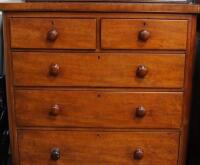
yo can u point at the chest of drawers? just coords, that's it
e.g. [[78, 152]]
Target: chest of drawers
[[99, 88]]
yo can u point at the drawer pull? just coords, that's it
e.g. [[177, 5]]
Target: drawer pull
[[140, 111], [141, 71], [54, 69], [55, 154], [144, 35], [52, 35], [55, 109], [139, 154]]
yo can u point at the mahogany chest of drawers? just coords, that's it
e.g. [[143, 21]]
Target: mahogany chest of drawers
[[99, 87]]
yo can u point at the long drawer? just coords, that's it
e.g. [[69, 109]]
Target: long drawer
[[97, 148], [53, 33], [54, 108], [143, 34], [98, 69]]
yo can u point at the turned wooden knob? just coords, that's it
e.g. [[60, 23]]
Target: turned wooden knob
[[140, 111], [138, 154], [141, 71], [55, 109], [52, 35], [54, 69], [144, 35], [55, 154]]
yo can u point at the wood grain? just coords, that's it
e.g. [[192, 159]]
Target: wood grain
[[103, 7], [98, 69], [93, 96], [97, 148], [72, 33], [98, 109], [124, 33]]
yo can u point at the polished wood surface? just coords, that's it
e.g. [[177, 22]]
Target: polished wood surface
[[103, 7], [69, 33], [143, 34], [98, 148], [98, 109], [98, 69], [122, 105]]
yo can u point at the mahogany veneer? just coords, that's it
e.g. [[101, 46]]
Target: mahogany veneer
[[89, 85]]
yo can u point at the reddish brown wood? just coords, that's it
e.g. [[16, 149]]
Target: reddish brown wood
[[73, 33], [123, 34], [98, 109], [102, 7], [95, 96], [190, 59], [99, 69], [85, 148], [10, 92]]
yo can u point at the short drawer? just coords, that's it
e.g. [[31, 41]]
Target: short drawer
[[143, 34], [53, 33], [98, 69], [56, 108], [97, 148]]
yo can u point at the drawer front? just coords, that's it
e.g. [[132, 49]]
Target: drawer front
[[101, 69], [97, 148], [98, 109], [53, 33], [143, 34]]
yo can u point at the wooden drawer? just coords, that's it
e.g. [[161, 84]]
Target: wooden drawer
[[98, 109], [41, 33], [100, 69], [97, 148], [143, 34]]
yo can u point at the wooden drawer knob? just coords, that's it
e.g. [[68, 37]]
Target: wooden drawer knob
[[140, 111], [54, 69], [55, 154], [138, 154], [55, 109], [141, 71], [52, 35], [144, 35]]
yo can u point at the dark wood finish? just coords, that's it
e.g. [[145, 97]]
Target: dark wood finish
[[158, 34], [73, 33], [55, 110], [138, 154], [141, 71], [101, 69], [144, 35], [85, 148], [54, 69], [55, 154], [98, 109], [140, 111], [52, 35]]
